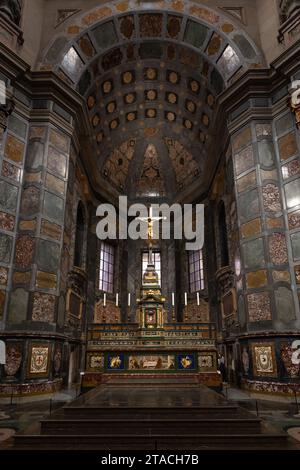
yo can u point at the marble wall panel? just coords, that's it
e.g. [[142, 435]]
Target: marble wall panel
[[284, 304], [55, 184], [150, 25], [251, 228], [263, 130], [276, 222], [271, 198], [254, 254], [3, 276], [30, 201], [195, 33], [14, 149], [46, 280], [246, 182], [7, 221], [256, 279], [21, 277], [284, 124], [56, 161], [266, 153], [24, 251], [295, 239], [50, 229], [17, 311], [28, 225], [248, 205], [53, 207], [6, 243], [11, 171], [294, 220], [59, 140], [291, 169], [2, 302], [277, 248], [48, 255], [259, 307], [35, 154], [287, 146], [8, 196], [17, 126], [292, 193], [244, 160], [268, 175], [281, 276], [43, 307], [242, 139]]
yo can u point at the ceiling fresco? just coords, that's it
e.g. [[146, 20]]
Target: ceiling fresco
[[151, 77]]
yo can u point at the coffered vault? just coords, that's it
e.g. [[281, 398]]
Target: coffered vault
[[151, 77]]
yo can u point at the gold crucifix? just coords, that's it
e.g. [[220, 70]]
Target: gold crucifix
[[150, 221]]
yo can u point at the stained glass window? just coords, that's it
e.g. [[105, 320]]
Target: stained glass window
[[196, 270], [106, 271]]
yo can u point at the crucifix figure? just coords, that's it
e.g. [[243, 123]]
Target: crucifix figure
[[150, 221]]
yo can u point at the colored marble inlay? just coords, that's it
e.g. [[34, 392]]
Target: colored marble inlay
[[294, 220], [277, 249], [50, 229], [5, 248], [56, 161], [242, 139], [244, 160], [30, 201], [11, 171], [251, 228], [3, 276], [21, 277], [46, 280], [271, 198], [256, 279], [275, 223], [7, 221], [24, 251], [287, 146], [43, 307], [150, 25], [59, 140], [259, 307], [14, 149], [263, 130], [246, 182], [291, 169], [281, 276]]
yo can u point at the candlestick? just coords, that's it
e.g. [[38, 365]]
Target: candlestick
[[117, 299], [185, 299], [104, 299], [129, 299], [198, 299], [173, 299]]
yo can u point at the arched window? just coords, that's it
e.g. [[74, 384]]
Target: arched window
[[196, 270], [79, 240], [224, 257]]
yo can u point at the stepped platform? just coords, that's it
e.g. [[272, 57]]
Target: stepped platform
[[152, 417]]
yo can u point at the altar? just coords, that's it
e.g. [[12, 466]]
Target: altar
[[151, 346]]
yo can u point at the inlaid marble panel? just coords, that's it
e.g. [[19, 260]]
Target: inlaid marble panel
[[242, 139], [17, 311], [292, 193], [284, 304], [35, 154], [229, 62], [254, 254], [50, 229], [244, 160], [256, 279], [248, 205], [53, 207], [43, 307], [21, 277], [150, 25], [17, 126], [251, 228], [127, 27], [263, 130], [246, 182], [48, 255], [56, 161], [14, 149], [268, 175], [8, 196], [287, 146], [281, 276], [276, 222], [24, 251], [259, 307], [284, 124], [277, 248], [195, 33], [244, 46], [2, 302], [86, 46], [294, 220], [72, 63], [5, 248], [3, 276], [55, 184], [295, 239], [105, 35], [291, 169], [7, 221], [59, 140], [30, 201], [266, 153], [174, 26], [271, 198], [46, 280], [11, 171], [28, 225]]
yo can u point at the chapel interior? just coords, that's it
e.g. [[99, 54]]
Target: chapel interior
[[163, 101]]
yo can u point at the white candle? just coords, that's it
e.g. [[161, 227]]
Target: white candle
[[129, 299], [198, 298], [173, 299], [117, 299], [104, 299], [185, 299]]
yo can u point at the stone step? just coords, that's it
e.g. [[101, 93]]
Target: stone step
[[150, 426], [176, 441]]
